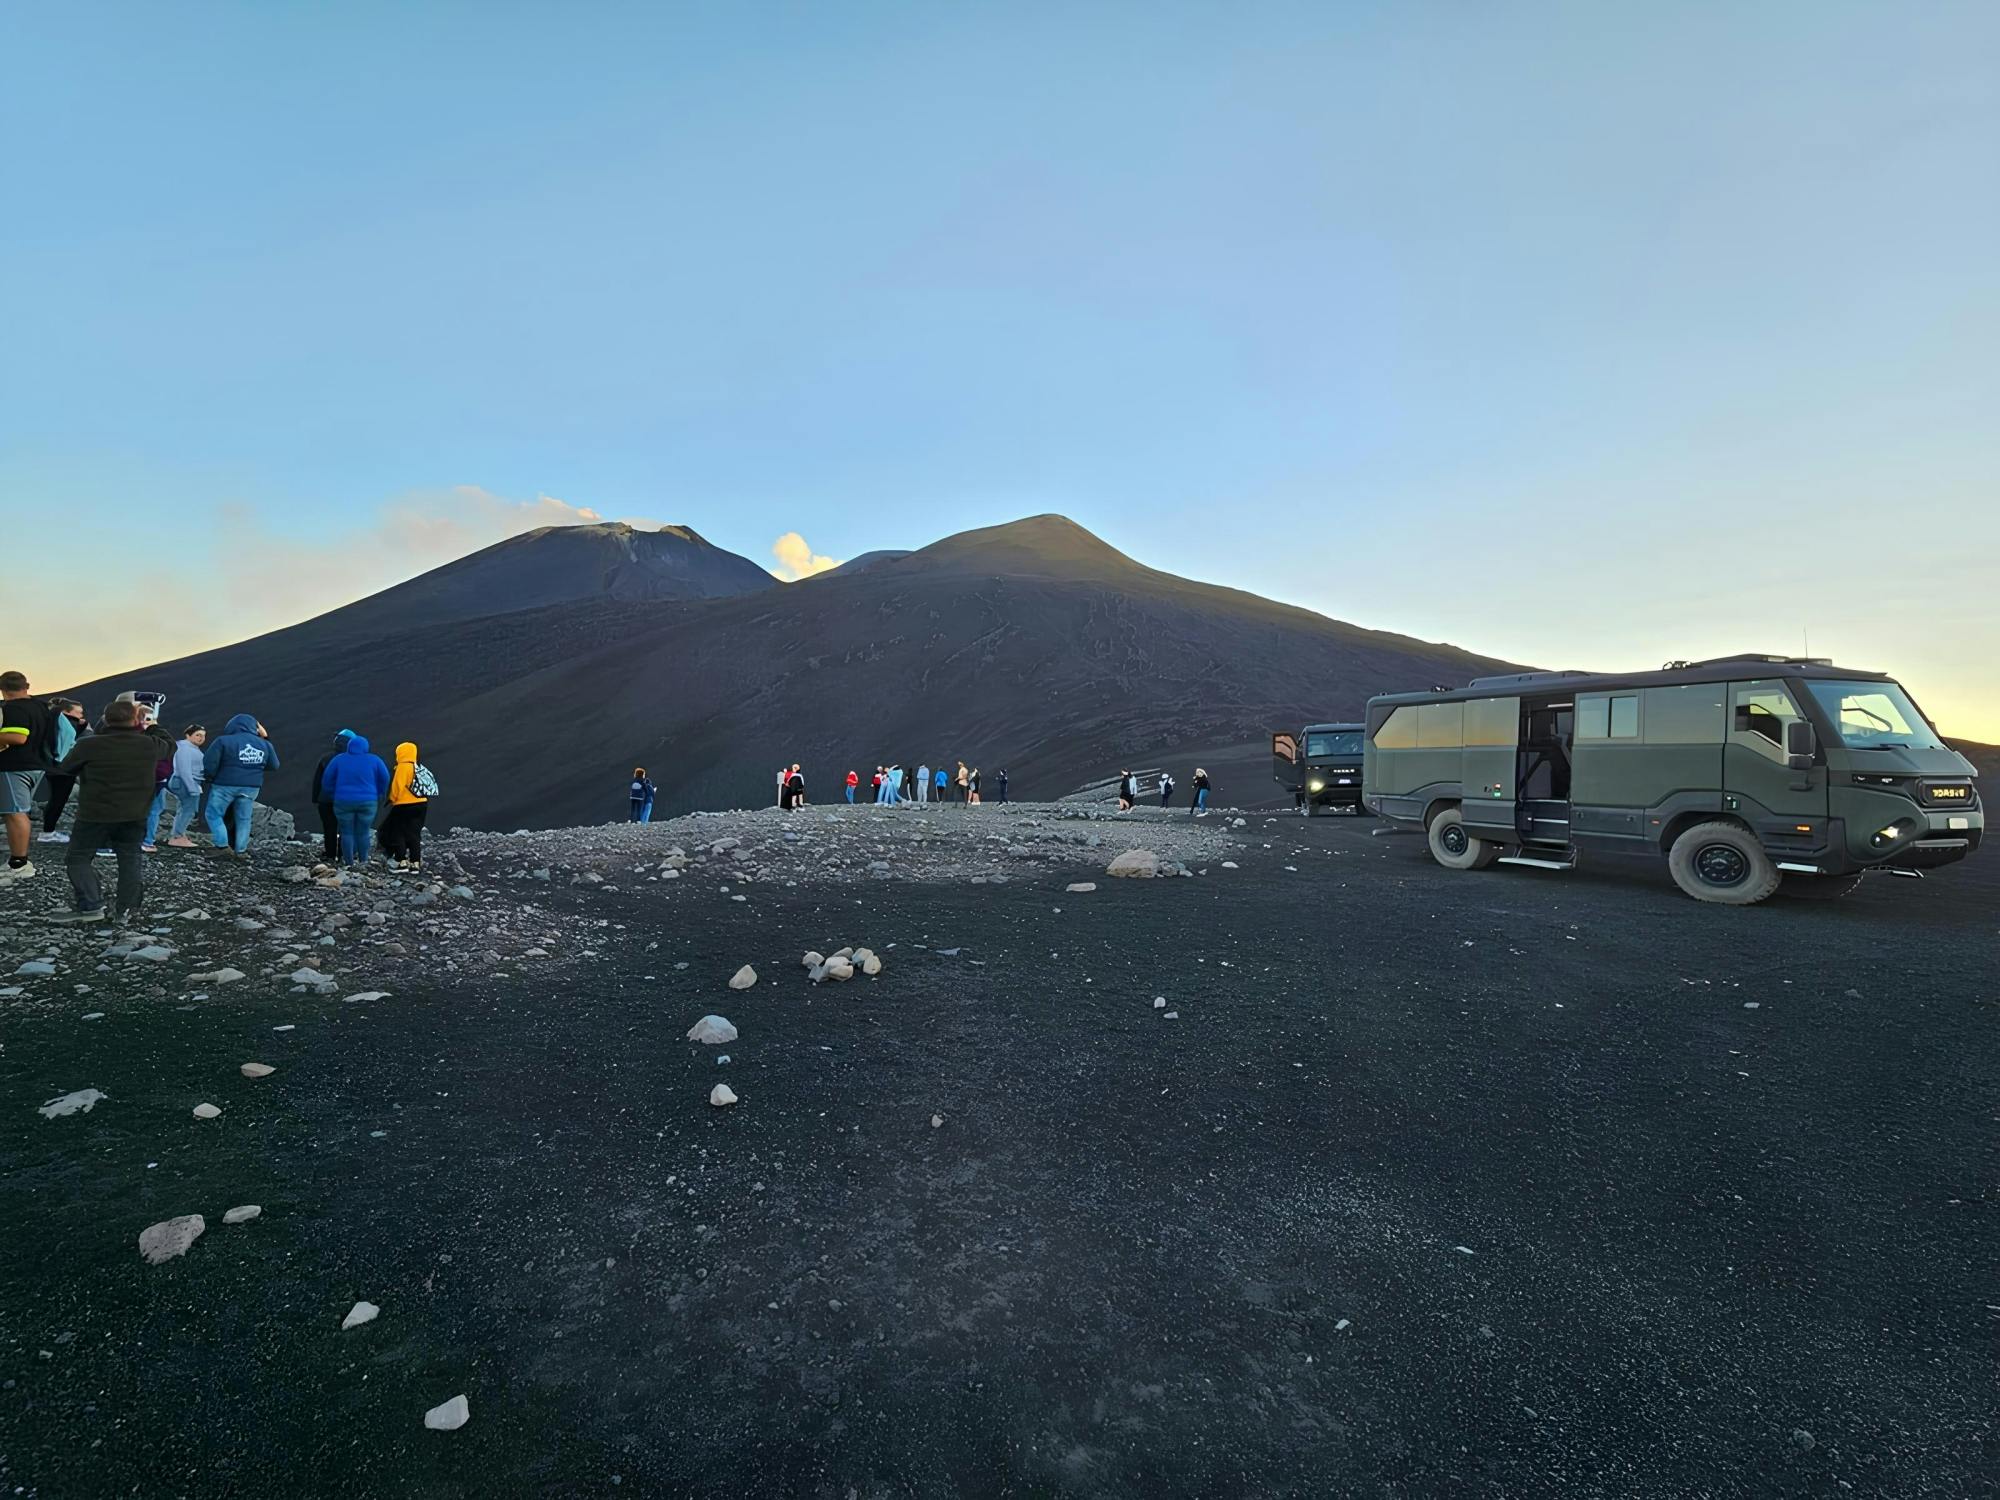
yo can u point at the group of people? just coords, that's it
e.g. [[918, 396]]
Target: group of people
[[1128, 790], [122, 769], [893, 785]]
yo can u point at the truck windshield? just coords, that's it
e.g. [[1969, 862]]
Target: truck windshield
[[1874, 715], [1333, 746]]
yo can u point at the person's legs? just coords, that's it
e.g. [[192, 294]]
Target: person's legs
[[59, 789], [185, 808], [219, 798], [245, 810], [159, 805], [125, 840], [413, 832], [84, 840], [329, 832], [356, 821], [17, 804], [645, 810]]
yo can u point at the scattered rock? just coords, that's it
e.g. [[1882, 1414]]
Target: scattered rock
[[206, 1112], [217, 976], [936, 1121], [813, 960], [722, 1094], [257, 1070], [1135, 864], [170, 1237], [1080, 887], [449, 1417], [242, 1215], [364, 996], [36, 968], [711, 1030], [743, 978], [79, 1103], [366, 1312]]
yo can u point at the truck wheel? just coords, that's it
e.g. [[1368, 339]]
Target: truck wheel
[[1455, 848], [1818, 887], [1722, 862]]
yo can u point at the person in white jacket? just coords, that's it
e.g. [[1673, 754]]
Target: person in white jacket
[[185, 783]]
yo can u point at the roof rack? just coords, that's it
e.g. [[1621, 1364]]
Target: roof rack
[[1753, 656], [1513, 678]]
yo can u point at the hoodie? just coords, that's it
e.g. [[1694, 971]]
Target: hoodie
[[355, 775], [401, 791], [239, 756], [115, 773], [319, 771], [188, 769]]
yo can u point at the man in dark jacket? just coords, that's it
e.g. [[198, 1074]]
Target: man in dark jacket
[[236, 762], [114, 772], [329, 831]]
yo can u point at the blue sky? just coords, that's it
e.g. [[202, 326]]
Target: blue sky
[[1581, 334]]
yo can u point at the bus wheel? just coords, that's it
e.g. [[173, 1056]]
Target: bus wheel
[[1818, 887], [1722, 862], [1455, 848]]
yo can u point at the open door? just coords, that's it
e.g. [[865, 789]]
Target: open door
[[1285, 759], [1487, 775]]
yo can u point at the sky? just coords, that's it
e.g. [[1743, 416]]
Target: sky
[[1578, 334]]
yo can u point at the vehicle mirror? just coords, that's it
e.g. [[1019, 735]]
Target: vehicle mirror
[[1800, 743]]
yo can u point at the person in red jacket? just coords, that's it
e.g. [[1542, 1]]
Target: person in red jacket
[[853, 781]]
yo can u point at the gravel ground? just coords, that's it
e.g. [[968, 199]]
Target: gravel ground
[[1328, 1172]]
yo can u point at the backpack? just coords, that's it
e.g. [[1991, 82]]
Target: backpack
[[422, 783]]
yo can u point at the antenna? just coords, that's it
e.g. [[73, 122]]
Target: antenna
[[1805, 635]]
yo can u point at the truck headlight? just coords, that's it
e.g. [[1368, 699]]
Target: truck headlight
[[1315, 786]]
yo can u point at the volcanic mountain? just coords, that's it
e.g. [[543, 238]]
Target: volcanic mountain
[[537, 673]]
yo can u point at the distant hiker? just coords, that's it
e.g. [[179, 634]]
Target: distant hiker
[[906, 788], [853, 781], [972, 787], [116, 772], [795, 788], [943, 783], [356, 781], [68, 721], [1199, 801], [329, 831], [923, 783], [184, 781], [1128, 790], [234, 765], [1000, 783], [892, 780], [875, 785], [964, 782], [643, 792], [1166, 787], [411, 787], [27, 743]]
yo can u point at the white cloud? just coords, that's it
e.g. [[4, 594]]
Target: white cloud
[[797, 560]]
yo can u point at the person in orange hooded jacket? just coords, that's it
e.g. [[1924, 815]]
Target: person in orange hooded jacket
[[403, 830]]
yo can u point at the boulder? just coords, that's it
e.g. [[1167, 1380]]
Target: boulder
[[170, 1237], [743, 978], [1135, 864], [711, 1030]]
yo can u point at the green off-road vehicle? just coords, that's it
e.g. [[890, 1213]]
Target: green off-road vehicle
[[1320, 765], [1748, 774]]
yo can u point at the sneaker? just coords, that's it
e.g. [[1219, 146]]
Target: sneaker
[[149, 849], [52, 838], [74, 918], [17, 872]]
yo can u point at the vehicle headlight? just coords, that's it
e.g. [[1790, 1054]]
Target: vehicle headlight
[[1315, 786]]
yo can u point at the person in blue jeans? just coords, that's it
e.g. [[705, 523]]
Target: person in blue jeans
[[234, 764], [355, 783], [643, 792], [941, 781], [1198, 803]]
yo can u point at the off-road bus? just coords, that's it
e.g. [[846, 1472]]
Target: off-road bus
[[1748, 774], [1320, 765]]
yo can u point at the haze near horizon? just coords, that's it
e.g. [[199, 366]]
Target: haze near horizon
[[1569, 335]]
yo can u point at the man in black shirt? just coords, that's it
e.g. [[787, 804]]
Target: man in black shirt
[[25, 753], [116, 781]]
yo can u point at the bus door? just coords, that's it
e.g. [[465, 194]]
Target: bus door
[[1488, 781]]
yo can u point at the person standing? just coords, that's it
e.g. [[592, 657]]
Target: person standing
[[329, 831], [853, 781], [149, 705], [972, 787], [234, 765], [795, 787], [410, 788], [1000, 782], [1166, 787], [70, 725], [923, 783], [1199, 801], [943, 780], [26, 740], [964, 782], [356, 781], [116, 771], [643, 791], [1124, 791], [876, 784], [184, 781]]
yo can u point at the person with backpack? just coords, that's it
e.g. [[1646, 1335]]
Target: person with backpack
[[643, 792], [972, 787], [27, 743], [1198, 803], [234, 764], [853, 782], [411, 787], [184, 781], [356, 781], [329, 831], [1166, 787], [115, 769]]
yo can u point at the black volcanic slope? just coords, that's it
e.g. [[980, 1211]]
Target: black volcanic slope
[[1032, 646]]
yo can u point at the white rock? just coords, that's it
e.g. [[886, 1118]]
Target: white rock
[[311, 979], [743, 978], [871, 966], [170, 1237], [365, 1312], [206, 1112], [1159, 1002], [722, 1094], [1135, 864], [217, 976], [838, 967], [710, 1030], [364, 997], [1230, 864], [242, 1215], [36, 968], [79, 1103], [812, 960], [1080, 887], [449, 1417], [257, 1070], [936, 1120]]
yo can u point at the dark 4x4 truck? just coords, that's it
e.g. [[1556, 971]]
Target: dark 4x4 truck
[[1321, 764], [1748, 774]]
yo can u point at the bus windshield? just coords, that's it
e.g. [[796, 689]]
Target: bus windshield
[[1874, 716], [1333, 746]]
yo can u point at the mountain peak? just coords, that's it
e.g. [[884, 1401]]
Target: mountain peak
[[1044, 546]]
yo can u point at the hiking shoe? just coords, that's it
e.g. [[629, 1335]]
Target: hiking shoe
[[17, 872], [74, 918]]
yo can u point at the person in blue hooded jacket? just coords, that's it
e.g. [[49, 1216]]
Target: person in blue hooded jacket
[[355, 783], [235, 762]]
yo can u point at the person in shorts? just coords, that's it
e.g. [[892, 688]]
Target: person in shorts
[[27, 741]]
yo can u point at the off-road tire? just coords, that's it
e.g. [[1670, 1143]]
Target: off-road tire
[[1454, 847], [1722, 863], [1818, 887]]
